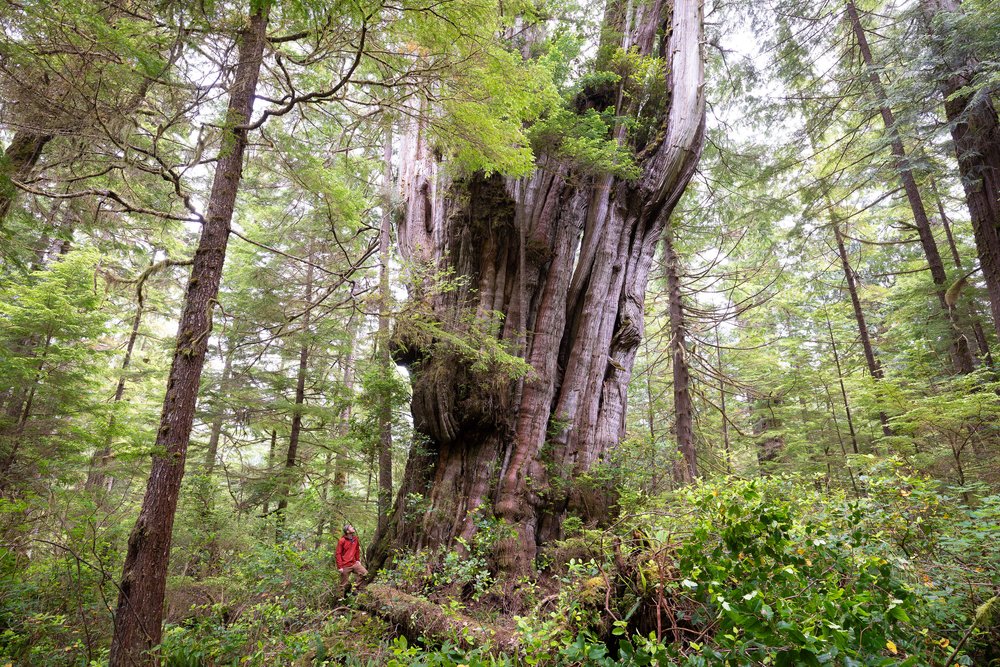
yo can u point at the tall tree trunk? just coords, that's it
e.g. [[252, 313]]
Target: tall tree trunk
[[16, 420], [722, 404], [573, 291], [874, 365], [975, 131], [977, 322], [686, 469], [138, 618], [843, 389], [386, 367], [961, 354], [98, 480], [291, 455], [215, 434]]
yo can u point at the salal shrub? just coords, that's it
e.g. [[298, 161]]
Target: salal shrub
[[782, 578]]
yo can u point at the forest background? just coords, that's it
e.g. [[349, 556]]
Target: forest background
[[637, 332]]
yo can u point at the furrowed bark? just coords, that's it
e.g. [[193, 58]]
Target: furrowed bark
[[572, 292], [139, 615], [975, 131]]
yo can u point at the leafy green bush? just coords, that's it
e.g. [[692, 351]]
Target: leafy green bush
[[792, 583]]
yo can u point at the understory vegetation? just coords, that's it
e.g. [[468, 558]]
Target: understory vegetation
[[620, 332], [733, 572]]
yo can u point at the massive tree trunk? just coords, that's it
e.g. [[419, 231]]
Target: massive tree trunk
[[138, 618], [975, 130], [564, 256], [961, 354]]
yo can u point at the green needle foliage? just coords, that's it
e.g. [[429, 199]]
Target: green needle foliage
[[847, 511]]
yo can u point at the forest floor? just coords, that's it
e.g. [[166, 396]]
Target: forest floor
[[746, 572]]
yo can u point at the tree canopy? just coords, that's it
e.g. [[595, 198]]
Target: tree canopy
[[624, 333]]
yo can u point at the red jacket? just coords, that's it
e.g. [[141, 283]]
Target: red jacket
[[348, 552]]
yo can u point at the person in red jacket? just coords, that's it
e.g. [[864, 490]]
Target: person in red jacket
[[349, 557]]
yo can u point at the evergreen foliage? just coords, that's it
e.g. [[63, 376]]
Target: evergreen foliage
[[846, 509]]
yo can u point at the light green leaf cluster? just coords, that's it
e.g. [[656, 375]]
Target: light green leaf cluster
[[583, 140], [484, 112]]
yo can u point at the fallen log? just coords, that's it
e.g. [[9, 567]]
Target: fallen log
[[418, 619]]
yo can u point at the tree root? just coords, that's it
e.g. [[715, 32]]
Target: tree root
[[419, 619]]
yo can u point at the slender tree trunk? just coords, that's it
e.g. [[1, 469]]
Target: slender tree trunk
[[651, 421], [961, 354], [874, 365], [272, 451], [843, 389], [686, 470], [871, 359], [975, 131], [946, 224], [291, 455], [12, 431], [505, 447], [97, 477], [840, 439], [215, 434], [340, 461], [722, 404], [386, 367], [138, 618]]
